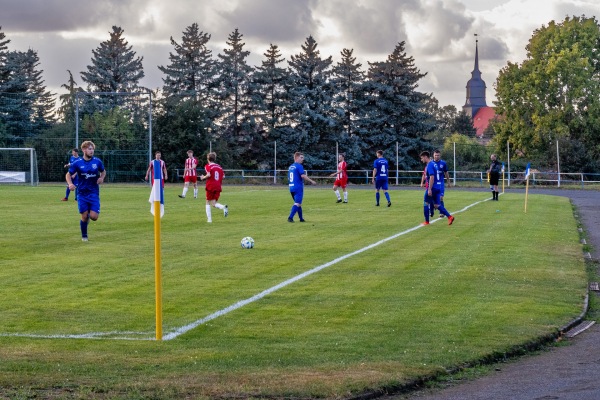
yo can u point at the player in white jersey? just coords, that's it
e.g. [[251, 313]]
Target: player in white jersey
[[341, 178], [189, 174]]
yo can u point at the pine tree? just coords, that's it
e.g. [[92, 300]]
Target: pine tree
[[184, 118], [270, 98], [27, 107], [16, 101], [310, 106], [115, 67], [6, 100], [67, 101], [192, 69], [395, 111], [4, 72], [43, 104], [234, 86], [348, 102]]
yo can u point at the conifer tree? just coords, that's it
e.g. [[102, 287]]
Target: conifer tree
[[237, 125], [348, 102], [67, 101], [270, 83], [27, 107], [184, 117], [191, 71], [4, 73], [115, 67], [43, 104], [395, 111], [310, 106]]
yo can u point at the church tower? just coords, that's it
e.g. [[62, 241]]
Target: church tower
[[475, 89]]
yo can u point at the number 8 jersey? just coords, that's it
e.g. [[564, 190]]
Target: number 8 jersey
[[213, 182]]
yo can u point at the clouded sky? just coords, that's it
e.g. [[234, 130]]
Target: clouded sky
[[439, 34]]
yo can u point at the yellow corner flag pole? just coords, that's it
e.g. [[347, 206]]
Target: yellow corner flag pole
[[157, 270], [526, 186], [502, 178], [526, 193], [156, 198]]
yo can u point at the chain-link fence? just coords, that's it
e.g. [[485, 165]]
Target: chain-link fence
[[121, 127]]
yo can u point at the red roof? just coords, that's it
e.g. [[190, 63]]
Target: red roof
[[481, 120]]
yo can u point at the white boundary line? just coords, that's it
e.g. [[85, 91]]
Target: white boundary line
[[186, 328], [239, 304], [94, 335]]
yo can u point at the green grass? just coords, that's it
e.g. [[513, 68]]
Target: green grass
[[427, 301]]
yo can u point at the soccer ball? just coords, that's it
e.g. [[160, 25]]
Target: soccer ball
[[247, 242]]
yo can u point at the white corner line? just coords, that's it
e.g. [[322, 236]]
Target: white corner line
[[117, 335], [241, 303]]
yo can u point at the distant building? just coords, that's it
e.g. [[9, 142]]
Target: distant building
[[475, 105]]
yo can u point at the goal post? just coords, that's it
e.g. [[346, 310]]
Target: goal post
[[18, 166]]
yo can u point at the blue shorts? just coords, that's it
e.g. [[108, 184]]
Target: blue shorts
[[381, 184], [297, 196], [436, 196], [88, 202], [427, 199]]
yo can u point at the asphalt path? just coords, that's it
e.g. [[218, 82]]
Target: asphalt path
[[568, 372]]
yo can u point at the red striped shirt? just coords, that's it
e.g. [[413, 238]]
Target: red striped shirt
[[190, 167]]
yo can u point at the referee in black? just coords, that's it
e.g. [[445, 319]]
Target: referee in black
[[494, 171]]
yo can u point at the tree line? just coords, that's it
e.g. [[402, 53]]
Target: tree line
[[309, 102]]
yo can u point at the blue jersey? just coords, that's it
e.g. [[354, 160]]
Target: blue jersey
[[295, 172], [382, 169], [435, 169], [443, 168], [75, 178], [88, 172]]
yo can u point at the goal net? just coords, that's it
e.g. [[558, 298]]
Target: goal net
[[18, 166]]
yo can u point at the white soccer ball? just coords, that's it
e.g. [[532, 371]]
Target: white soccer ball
[[247, 242]]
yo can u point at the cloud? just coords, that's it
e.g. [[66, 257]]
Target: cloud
[[438, 33], [267, 21], [63, 15]]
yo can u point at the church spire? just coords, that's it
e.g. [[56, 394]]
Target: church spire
[[475, 88], [476, 72]]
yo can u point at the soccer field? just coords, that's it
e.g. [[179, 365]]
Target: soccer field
[[357, 298]]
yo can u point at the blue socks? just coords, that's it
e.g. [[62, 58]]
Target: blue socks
[[83, 226], [387, 196], [293, 212], [443, 210], [426, 211], [377, 197]]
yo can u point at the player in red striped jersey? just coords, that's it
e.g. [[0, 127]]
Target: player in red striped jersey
[[189, 174], [163, 167], [214, 179], [341, 179]]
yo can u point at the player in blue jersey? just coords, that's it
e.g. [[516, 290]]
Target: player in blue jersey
[[380, 177], [435, 174], [296, 178], [91, 174], [427, 200], [74, 157], [437, 157]]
